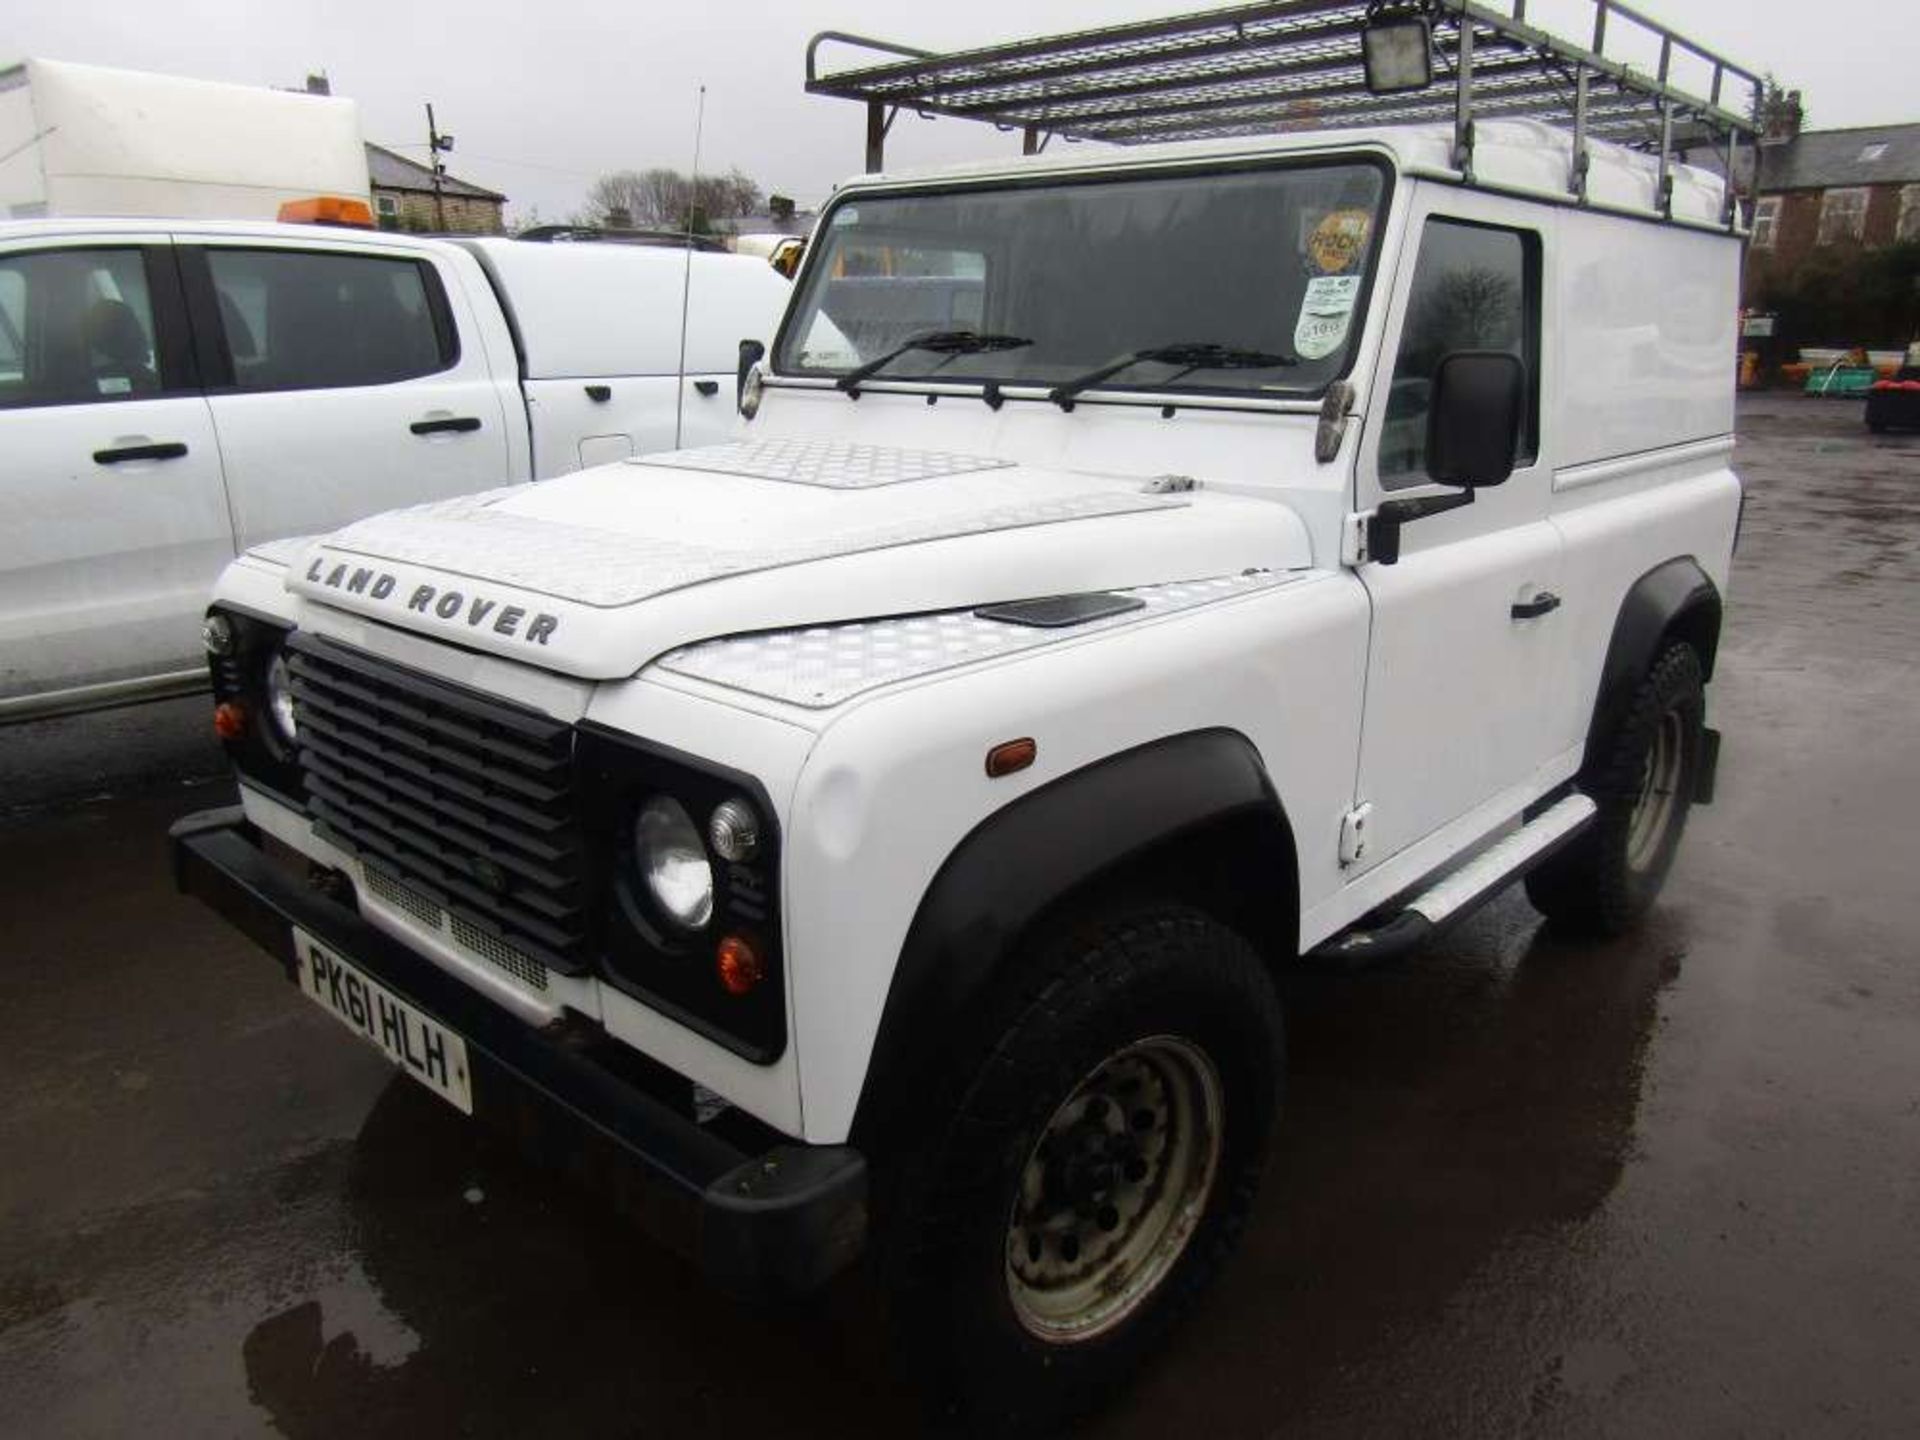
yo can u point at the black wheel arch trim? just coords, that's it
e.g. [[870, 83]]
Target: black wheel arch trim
[[1674, 599], [1196, 791]]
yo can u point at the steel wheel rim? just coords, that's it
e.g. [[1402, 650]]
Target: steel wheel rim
[[1114, 1189], [1654, 807]]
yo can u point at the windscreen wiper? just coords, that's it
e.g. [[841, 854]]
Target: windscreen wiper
[[949, 343], [1188, 357]]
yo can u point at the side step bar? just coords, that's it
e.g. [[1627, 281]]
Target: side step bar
[[1460, 890]]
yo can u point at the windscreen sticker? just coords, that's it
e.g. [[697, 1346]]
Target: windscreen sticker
[[1325, 313], [1339, 240]]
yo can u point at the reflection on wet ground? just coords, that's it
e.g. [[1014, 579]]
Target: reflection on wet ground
[[1527, 1186]]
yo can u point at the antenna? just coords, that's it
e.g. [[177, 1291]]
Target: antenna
[[686, 274], [437, 145]]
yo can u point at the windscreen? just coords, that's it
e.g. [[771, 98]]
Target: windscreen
[[1250, 281]]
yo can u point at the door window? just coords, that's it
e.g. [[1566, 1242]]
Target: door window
[[77, 327], [313, 320], [1475, 287]]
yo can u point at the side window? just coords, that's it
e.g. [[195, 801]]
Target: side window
[[1475, 287], [312, 320], [76, 328]]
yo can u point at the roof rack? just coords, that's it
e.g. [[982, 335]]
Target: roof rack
[[1297, 65]]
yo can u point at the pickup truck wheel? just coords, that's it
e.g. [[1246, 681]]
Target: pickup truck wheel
[[1094, 1171], [1644, 786]]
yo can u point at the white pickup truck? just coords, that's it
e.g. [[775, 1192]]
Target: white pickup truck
[[175, 393]]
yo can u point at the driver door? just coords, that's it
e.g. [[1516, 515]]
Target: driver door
[[1463, 633]]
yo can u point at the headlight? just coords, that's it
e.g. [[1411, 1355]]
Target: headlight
[[280, 697], [673, 863]]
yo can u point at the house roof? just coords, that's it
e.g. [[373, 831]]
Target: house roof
[[389, 171], [1823, 159]]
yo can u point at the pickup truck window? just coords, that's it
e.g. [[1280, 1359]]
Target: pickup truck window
[[1475, 287], [313, 320], [76, 327], [1253, 261]]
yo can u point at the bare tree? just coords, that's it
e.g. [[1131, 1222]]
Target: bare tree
[[663, 198], [1473, 308]]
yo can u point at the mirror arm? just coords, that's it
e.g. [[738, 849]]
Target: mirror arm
[[1383, 526]]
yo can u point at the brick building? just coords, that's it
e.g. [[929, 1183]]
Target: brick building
[[1834, 187], [403, 198]]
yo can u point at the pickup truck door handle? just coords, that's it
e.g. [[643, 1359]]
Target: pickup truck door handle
[[707, 387], [1539, 605], [165, 450], [457, 424]]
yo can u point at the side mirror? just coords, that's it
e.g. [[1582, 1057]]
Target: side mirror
[[1474, 417], [1474, 413], [752, 352]]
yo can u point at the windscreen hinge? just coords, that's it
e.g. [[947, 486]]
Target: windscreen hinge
[[1353, 539], [1353, 834]]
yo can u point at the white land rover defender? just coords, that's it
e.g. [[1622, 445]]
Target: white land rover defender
[[1143, 569]]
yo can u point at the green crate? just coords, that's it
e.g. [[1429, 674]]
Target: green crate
[[1853, 380]]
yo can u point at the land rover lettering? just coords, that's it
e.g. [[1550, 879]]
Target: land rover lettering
[[476, 610]]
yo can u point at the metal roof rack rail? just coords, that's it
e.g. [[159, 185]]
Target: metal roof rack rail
[[1298, 65]]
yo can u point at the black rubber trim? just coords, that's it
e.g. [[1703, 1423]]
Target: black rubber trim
[[777, 1222], [1022, 860], [1676, 598]]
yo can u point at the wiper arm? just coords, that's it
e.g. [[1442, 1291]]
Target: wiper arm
[[1188, 357], [941, 342]]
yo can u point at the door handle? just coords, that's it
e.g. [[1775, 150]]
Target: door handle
[[1533, 609], [707, 387], [454, 424], [165, 450]]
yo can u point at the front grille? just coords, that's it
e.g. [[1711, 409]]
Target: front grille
[[466, 801]]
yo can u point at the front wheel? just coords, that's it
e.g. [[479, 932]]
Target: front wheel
[[1095, 1170], [1644, 786]]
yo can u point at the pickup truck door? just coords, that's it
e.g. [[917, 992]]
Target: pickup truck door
[[113, 522], [345, 378], [1464, 630]]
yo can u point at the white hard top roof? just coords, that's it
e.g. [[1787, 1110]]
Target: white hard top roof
[[1524, 155]]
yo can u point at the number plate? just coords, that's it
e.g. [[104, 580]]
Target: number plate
[[425, 1049]]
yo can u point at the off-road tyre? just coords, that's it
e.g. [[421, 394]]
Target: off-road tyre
[[951, 1208], [1643, 782]]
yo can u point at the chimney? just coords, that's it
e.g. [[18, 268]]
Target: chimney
[[1781, 117], [319, 84]]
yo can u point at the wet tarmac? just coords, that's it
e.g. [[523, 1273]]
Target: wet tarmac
[[1668, 1186]]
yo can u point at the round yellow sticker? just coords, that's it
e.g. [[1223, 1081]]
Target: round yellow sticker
[[1339, 240]]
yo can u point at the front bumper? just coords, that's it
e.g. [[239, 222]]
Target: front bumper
[[779, 1221]]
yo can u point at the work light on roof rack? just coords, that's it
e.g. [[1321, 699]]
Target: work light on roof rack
[[1397, 47]]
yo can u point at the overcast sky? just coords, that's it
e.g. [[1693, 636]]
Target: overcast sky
[[542, 95]]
